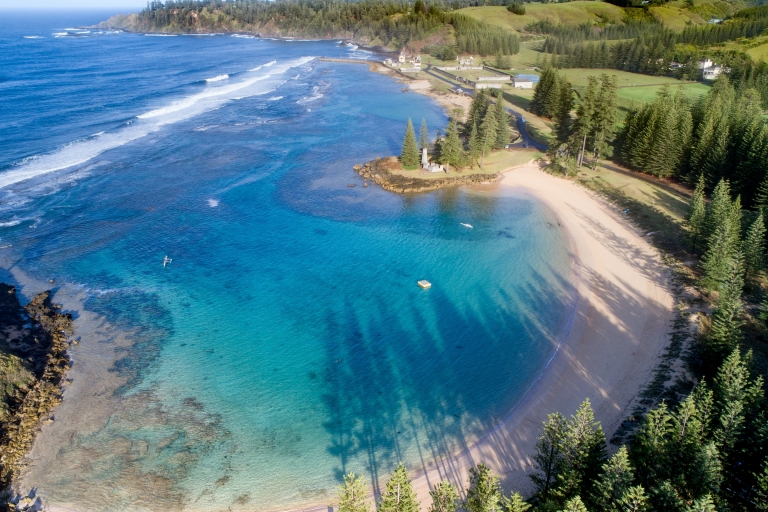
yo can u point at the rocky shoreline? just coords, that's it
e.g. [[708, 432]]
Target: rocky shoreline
[[38, 336], [380, 172]]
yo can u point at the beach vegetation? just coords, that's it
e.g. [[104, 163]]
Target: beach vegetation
[[353, 494], [484, 493], [398, 495], [410, 154], [445, 497]]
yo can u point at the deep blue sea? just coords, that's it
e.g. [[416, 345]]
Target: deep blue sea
[[287, 343]]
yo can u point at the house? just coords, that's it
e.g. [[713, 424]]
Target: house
[[712, 72], [401, 58], [522, 83], [675, 65], [387, 62], [705, 63]]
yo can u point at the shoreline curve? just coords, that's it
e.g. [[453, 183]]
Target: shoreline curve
[[617, 335]]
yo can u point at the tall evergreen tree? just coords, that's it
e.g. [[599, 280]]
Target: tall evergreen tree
[[477, 108], [614, 483], [484, 493], [584, 124], [703, 504], [445, 497], [410, 154], [547, 460], [514, 503], [563, 120], [423, 136], [451, 149], [352, 494], [502, 122], [488, 131], [754, 247], [574, 505], [718, 210], [725, 331], [634, 500], [546, 90], [605, 117], [398, 495], [473, 146], [697, 211], [584, 452], [761, 488]]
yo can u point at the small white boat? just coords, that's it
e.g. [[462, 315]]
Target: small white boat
[[166, 261], [425, 284], [466, 225]]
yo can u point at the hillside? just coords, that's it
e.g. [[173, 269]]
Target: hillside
[[389, 25], [674, 15]]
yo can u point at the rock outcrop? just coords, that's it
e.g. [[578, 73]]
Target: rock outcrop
[[39, 334], [380, 171]]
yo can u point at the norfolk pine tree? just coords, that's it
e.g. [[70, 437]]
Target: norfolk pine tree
[[563, 120], [574, 505], [754, 248], [487, 134], [352, 494], [634, 500], [584, 452], [697, 212], [444, 497], [423, 136], [614, 483], [473, 146], [410, 155], [514, 503], [548, 456], [725, 331], [502, 122], [399, 496], [451, 149], [484, 493]]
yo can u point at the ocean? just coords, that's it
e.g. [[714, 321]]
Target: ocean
[[287, 342]]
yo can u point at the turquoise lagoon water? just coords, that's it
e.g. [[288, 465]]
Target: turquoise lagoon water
[[287, 343]]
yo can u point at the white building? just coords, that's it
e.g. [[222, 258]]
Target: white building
[[712, 72], [522, 83], [705, 63]]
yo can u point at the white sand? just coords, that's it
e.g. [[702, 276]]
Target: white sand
[[619, 331]]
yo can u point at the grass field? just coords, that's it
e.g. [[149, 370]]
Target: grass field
[[669, 203], [675, 17], [570, 13]]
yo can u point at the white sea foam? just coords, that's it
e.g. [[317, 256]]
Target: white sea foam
[[32, 37], [274, 98], [217, 78], [257, 68], [213, 203], [81, 151], [161, 35]]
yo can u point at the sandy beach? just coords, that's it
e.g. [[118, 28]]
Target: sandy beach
[[619, 330]]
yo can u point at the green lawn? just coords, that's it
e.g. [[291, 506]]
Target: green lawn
[[646, 94], [495, 162]]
